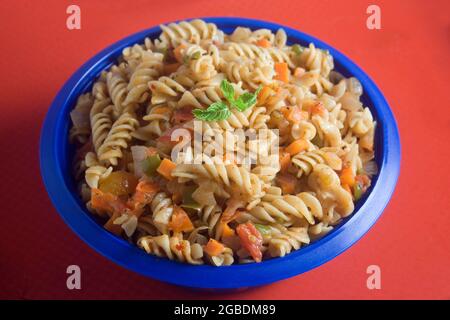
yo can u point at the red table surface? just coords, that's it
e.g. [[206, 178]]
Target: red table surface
[[407, 58]]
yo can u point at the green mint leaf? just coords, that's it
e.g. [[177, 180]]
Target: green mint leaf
[[227, 90], [247, 100], [215, 112], [297, 49]]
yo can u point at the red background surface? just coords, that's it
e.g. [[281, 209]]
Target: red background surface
[[407, 58]]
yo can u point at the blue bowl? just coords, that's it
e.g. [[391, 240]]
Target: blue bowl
[[56, 159]]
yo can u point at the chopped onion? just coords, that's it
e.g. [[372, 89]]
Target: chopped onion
[[139, 154], [130, 226], [204, 195], [80, 114], [80, 117], [370, 168], [121, 219]]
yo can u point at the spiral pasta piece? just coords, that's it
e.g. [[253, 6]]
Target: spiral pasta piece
[[174, 248], [228, 175], [291, 239], [149, 69], [210, 216], [317, 59], [162, 209], [193, 31], [117, 87], [101, 122], [304, 205], [165, 89], [95, 172], [223, 259], [305, 162], [118, 138]]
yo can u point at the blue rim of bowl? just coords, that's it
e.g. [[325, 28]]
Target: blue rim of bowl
[[56, 173]]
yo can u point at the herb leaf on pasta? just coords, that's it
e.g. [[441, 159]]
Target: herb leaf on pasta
[[215, 112]]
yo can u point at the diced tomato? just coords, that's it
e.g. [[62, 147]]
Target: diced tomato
[[106, 202], [145, 191], [180, 221], [251, 240]]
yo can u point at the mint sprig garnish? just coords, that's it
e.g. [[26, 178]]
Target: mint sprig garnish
[[215, 112], [227, 90], [220, 110], [246, 100]]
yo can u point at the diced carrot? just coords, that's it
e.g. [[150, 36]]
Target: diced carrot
[[264, 43], [180, 221], [227, 231], [171, 67], [282, 71], [347, 177], [177, 52], [287, 183], [285, 160], [165, 169], [297, 146], [214, 248], [264, 94], [318, 109]]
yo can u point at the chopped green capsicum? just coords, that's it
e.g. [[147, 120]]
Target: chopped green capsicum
[[188, 202], [150, 164]]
